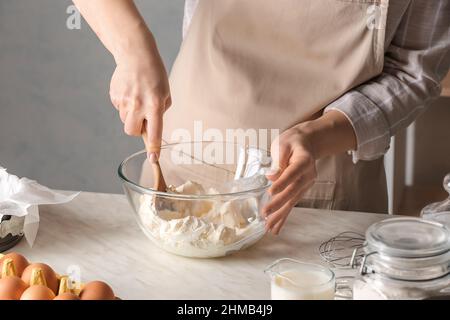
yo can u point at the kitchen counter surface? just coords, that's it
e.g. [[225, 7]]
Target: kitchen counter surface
[[98, 234]]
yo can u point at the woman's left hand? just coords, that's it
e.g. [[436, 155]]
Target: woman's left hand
[[294, 155], [293, 173]]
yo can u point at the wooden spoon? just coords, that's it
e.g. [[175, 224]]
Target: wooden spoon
[[159, 182]]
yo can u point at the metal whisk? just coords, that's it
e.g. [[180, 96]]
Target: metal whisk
[[343, 250]]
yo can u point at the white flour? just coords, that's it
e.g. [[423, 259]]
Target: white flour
[[200, 228]]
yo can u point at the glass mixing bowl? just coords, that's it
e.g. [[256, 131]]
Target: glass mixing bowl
[[213, 205]]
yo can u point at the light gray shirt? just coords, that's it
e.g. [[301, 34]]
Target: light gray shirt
[[417, 58]]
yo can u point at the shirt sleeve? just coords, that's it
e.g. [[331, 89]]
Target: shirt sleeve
[[416, 61]]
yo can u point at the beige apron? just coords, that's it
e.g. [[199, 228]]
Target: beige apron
[[270, 64]]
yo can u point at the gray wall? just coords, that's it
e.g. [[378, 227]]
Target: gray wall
[[57, 124]]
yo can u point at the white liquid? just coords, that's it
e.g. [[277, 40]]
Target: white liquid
[[305, 285]]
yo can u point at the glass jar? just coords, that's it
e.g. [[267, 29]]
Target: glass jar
[[439, 211], [405, 258]]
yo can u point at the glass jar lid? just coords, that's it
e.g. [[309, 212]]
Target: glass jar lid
[[409, 249], [408, 238]]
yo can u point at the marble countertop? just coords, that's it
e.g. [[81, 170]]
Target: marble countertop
[[98, 234]]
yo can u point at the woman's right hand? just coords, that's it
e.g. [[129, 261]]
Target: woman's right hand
[[140, 91], [139, 86]]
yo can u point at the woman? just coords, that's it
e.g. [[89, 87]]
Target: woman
[[338, 78]]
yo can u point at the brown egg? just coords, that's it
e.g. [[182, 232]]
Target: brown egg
[[20, 262], [49, 275], [11, 288], [97, 290], [67, 296], [38, 292]]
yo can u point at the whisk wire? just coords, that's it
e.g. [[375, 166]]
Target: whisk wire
[[343, 250]]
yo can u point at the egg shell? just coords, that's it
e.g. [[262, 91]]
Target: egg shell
[[20, 262], [37, 292], [49, 274], [67, 296], [11, 288], [97, 290]]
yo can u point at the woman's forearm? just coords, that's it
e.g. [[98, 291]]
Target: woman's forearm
[[119, 26], [139, 87], [330, 134]]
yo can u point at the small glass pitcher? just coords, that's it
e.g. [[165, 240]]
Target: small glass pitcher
[[296, 280]]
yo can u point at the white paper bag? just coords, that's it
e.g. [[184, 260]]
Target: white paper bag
[[21, 197]]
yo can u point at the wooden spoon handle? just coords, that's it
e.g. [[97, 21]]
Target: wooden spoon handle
[[159, 183]]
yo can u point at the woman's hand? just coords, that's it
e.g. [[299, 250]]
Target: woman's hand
[[140, 92], [294, 155], [139, 87], [294, 171]]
